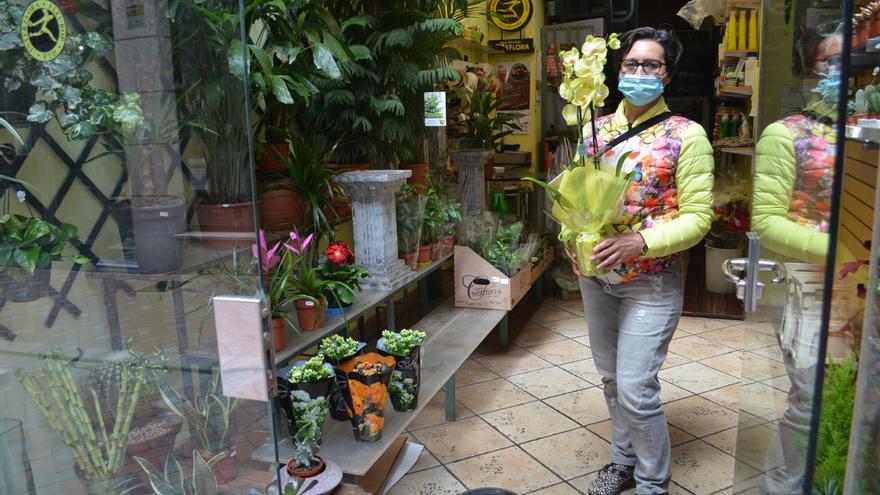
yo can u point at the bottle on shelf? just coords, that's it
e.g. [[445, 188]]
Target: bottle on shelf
[[741, 25], [735, 124], [725, 125], [745, 131], [730, 32], [753, 31]]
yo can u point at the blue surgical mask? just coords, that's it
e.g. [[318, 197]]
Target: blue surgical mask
[[828, 86], [640, 89]]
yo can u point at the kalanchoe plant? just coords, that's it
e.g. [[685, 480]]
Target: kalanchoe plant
[[369, 369], [312, 370], [338, 348], [310, 414], [402, 343]]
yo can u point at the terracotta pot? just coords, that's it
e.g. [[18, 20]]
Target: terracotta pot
[[306, 474], [278, 327], [19, 286], [437, 251], [339, 209], [310, 315], [490, 167], [280, 209], [367, 396], [272, 160], [419, 177], [411, 259], [224, 469], [448, 244], [236, 217], [862, 33], [424, 254]]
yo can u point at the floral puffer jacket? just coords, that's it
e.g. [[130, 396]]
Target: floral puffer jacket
[[794, 172], [670, 200]]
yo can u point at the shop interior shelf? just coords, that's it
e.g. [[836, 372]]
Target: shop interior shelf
[[744, 150], [736, 91], [740, 53], [368, 300], [867, 54], [453, 334], [466, 44]]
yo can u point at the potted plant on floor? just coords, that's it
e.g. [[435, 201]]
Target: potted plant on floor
[[406, 347], [310, 414], [367, 393], [313, 377], [337, 264], [410, 209], [208, 420], [337, 349], [724, 241]]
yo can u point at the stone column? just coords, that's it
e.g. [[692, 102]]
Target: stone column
[[471, 166], [375, 225]]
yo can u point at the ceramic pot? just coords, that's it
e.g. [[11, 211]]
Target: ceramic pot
[[424, 254], [224, 469], [120, 210], [411, 259], [310, 315], [278, 326], [419, 177], [280, 209], [305, 474], [367, 396], [272, 160], [17, 285], [715, 280], [156, 221], [235, 217], [406, 379], [875, 26]]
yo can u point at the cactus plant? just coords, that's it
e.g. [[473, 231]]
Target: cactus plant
[[173, 481]]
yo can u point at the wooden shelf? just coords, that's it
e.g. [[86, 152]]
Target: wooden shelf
[[466, 44], [740, 53], [743, 150], [736, 91]]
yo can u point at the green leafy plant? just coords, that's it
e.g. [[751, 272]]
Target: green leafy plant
[[410, 210], [337, 264], [208, 418], [835, 422], [338, 348], [33, 243], [485, 125], [310, 414], [435, 216], [312, 370], [174, 481], [402, 343]]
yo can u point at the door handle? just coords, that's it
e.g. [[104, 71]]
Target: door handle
[[749, 289]]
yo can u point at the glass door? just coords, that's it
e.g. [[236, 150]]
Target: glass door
[[127, 195], [786, 280]]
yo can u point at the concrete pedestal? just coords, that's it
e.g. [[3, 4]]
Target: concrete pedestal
[[471, 165]]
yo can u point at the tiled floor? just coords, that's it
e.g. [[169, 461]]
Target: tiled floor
[[533, 419]]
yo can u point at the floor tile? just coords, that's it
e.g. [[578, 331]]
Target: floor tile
[[575, 306], [571, 454], [724, 440], [731, 337], [548, 313], [435, 481], [697, 377], [426, 461], [694, 325], [434, 412], [570, 327], [701, 468], [699, 417], [532, 334], [670, 392], [756, 340], [492, 395], [673, 360], [584, 406], [760, 368], [529, 422], [763, 401], [560, 489], [696, 347], [780, 383], [730, 363], [771, 351], [513, 362], [566, 351], [605, 430], [728, 396], [585, 369], [464, 438], [755, 443], [582, 484], [549, 382], [583, 340], [511, 469], [473, 372]]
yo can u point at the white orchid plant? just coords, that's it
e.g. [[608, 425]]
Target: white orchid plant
[[583, 85]]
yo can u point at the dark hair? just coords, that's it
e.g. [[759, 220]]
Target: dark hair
[[807, 45], [662, 34]]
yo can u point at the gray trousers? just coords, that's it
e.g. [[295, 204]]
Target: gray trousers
[[630, 327]]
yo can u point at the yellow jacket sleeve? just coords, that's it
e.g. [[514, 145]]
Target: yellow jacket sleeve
[[694, 177], [775, 173]]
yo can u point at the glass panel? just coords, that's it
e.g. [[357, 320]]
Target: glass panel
[[134, 160], [798, 124]]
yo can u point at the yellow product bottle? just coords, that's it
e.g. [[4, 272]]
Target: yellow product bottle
[[741, 26], [730, 33], [753, 31]]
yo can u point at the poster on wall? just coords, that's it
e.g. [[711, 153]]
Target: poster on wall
[[435, 108], [515, 79]]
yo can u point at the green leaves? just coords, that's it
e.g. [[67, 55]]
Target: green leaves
[[32, 243], [39, 113]]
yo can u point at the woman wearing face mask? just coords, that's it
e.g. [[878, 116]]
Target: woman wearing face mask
[[633, 311]]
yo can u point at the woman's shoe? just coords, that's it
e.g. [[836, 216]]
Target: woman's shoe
[[613, 479]]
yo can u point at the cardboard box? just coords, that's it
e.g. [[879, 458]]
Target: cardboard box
[[478, 284], [542, 265]]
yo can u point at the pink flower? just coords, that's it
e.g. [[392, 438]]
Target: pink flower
[[298, 245], [268, 258]]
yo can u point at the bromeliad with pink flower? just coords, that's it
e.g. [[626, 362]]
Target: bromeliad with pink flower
[[338, 264], [279, 265]]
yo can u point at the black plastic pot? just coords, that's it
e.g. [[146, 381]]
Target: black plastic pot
[[285, 388], [156, 222]]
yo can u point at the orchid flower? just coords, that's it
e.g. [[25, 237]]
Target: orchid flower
[[298, 245], [268, 257]]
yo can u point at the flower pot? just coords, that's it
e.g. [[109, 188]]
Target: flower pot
[[156, 222], [419, 177], [447, 244], [310, 315], [224, 469], [314, 390], [278, 327], [424, 254], [862, 33], [306, 474], [489, 170], [338, 410], [406, 379], [228, 218], [411, 259], [272, 160], [436, 250], [715, 280], [19, 286], [336, 310], [280, 209], [366, 396]]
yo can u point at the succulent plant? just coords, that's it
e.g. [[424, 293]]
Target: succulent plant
[[402, 343], [338, 348], [208, 417], [173, 481], [310, 414], [312, 370]]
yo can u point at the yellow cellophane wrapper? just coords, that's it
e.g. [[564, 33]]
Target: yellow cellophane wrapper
[[588, 201]]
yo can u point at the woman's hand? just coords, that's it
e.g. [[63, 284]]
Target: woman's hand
[[614, 250]]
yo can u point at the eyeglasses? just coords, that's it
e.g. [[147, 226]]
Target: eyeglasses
[[631, 66], [832, 61]]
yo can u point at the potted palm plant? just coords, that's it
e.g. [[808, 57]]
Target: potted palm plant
[[484, 128]]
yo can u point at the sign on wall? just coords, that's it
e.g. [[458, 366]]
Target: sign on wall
[[435, 108], [43, 30], [523, 45], [516, 80], [510, 15]]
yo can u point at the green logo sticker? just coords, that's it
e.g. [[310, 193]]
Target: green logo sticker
[[43, 30]]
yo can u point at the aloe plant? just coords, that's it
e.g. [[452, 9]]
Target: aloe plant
[[208, 417], [173, 481]]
